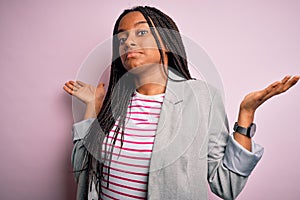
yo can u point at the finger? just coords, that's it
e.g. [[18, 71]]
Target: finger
[[297, 78], [80, 83], [294, 80], [69, 85], [76, 85], [277, 88], [290, 83], [285, 79], [72, 88], [68, 90], [73, 85], [71, 82], [280, 87]]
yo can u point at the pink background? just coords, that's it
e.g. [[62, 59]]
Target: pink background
[[43, 44]]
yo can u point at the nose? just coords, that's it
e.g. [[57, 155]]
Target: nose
[[129, 45], [130, 42]]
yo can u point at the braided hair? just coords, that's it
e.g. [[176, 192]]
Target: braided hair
[[119, 94]]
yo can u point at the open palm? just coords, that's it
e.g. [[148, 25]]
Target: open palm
[[86, 93], [254, 99]]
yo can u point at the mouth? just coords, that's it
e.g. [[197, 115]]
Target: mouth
[[131, 54]]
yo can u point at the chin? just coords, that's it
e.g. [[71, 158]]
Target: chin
[[137, 69], [132, 69], [132, 65]]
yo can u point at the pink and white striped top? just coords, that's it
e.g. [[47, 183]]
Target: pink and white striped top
[[130, 165]]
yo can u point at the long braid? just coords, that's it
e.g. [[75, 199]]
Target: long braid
[[170, 35], [119, 94]]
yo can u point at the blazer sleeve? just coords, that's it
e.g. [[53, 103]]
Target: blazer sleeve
[[229, 164], [79, 131]]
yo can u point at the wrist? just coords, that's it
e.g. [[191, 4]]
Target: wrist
[[245, 117], [95, 106]]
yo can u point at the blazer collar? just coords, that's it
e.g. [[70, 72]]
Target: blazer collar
[[174, 89]]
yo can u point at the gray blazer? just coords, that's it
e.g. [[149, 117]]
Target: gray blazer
[[192, 146]]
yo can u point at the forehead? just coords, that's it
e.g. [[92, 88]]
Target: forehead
[[131, 19]]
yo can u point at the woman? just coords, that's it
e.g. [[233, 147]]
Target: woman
[[158, 133]]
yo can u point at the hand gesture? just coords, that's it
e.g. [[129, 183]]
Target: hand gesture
[[92, 96], [253, 100]]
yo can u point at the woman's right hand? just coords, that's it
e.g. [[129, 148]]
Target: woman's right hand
[[90, 95]]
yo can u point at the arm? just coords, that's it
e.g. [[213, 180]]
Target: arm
[[231, 159], [224, 182], [253, 100], [93, 98]]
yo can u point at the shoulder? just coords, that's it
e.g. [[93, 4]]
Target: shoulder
[[195, 87], [200, 87]]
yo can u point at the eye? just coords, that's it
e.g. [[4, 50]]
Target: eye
[[142, 32], [122, 40]]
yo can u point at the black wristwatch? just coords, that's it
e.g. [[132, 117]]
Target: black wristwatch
[[249, 132]]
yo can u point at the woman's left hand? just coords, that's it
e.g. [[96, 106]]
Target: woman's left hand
[[254, 99]]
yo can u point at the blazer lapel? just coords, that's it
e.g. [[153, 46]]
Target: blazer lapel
[[168, 146]]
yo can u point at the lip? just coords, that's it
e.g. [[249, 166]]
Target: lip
[[131, 54]]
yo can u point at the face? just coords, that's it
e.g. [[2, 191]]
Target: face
[[137, 45]]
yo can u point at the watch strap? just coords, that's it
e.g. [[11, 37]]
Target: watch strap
[[249, 132]]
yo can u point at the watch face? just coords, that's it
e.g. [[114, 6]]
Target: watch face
[[249, 132], [252, 129]]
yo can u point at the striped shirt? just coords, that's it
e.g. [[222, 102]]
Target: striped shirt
[[130, 165]]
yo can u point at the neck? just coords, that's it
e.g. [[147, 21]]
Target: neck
[[151, 89], [151, 80]]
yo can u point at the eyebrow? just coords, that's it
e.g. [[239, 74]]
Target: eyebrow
[[136, 24]]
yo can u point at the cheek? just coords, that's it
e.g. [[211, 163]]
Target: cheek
[[152, 55], [150, 50], [122, 54], [147, 43]]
